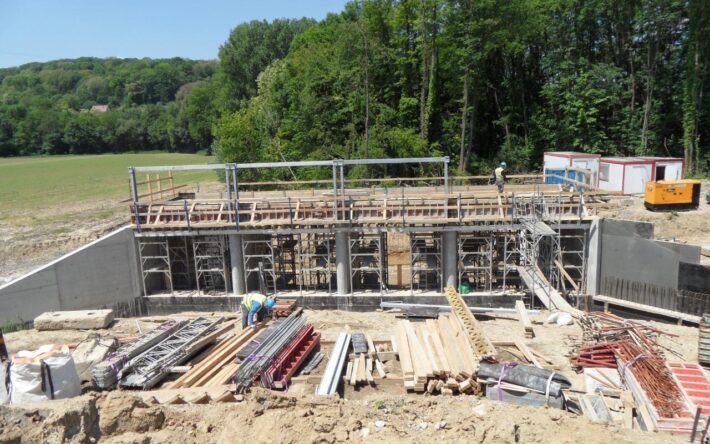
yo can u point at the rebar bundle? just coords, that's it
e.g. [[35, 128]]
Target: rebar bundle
[[261, 358], [106, 373]]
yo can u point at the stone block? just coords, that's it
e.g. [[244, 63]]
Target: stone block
[[74, 320], [90, 352]]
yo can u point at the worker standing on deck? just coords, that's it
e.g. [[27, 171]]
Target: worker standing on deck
[[255, 305], [499, 176]]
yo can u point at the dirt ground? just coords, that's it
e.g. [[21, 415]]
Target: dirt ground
[[691, 227], [373, 414]]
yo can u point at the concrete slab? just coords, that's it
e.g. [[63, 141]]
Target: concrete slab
[[74, 320]]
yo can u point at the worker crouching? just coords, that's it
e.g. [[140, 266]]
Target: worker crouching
[[255, 307]]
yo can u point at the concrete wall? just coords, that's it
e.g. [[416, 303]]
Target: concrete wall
[[629, 252], [694, 277], [97, 275]]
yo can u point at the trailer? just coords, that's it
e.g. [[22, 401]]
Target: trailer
[[624, 175], [580, 167], [666, 168]]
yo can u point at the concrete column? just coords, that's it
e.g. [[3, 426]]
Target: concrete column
[[450, 258], [342, 260], [237, 260]]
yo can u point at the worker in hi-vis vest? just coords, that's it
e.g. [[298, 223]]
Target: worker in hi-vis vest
[[499, 176], [255, 305]]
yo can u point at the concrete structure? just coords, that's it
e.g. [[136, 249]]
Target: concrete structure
[[624, 175], [97, 275], [559, 163], [666, 168], [74, 320]]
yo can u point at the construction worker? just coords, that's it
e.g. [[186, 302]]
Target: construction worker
[[499, 176], [255, 305]]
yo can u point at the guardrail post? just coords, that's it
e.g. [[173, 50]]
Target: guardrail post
[[335, 191], [446, 174], [235, 183], [187, 214]]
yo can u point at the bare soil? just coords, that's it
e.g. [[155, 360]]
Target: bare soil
[[380, 414]]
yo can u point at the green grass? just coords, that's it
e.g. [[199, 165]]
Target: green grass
[[57, 181]]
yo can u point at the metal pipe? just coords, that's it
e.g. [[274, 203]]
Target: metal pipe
[[447, 308]]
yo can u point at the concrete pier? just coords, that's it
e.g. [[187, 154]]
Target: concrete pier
[[236, 256], [450, 258], [342, 259]]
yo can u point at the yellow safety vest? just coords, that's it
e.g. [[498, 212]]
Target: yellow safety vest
[[499, 173], [251, 297]]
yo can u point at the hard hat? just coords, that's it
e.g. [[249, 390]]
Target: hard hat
[[503, 164], [270, 302]]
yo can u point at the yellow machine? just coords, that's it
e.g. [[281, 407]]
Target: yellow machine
[[670, 195]]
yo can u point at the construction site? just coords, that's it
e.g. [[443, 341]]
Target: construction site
[[407, 309]]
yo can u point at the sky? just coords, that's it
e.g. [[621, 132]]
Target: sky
[[42, 30]]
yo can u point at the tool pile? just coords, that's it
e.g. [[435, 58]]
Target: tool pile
[[632, 348]]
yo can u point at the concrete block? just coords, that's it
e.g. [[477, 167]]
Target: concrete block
[[90, 352], [74, 320]]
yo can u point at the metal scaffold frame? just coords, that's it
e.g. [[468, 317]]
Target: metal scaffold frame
[[573, 256], [315, 261], [511, 258], [285, 261], [259, 261], [210, 263], [425, 264], [368, 257], [155, 262], [180, 262], [475, 256]]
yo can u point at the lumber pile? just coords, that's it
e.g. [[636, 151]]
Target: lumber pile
[[218, 366], [364, 362], [435, 356], [477, 340]]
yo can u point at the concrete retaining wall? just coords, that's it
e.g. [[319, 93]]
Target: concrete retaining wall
[[94, 276], [628, 252]]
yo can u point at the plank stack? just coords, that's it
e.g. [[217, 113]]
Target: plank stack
[[364, 361], [217, 366], [435, 356]]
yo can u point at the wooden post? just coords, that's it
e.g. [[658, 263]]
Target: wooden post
[[172, 183], [150, 188]]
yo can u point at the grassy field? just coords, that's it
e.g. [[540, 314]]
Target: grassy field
[[62, 181]]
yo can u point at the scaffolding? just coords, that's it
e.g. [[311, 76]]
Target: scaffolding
[[180, 262], [210, 263], [285, 258], [259, 264], [368, 262], [475, 256], [315, 262], [155, 261], [425, 262]]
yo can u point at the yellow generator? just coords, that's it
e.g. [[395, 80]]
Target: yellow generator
[[671, 195]]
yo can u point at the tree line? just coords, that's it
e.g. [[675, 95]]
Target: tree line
[[477, 80]]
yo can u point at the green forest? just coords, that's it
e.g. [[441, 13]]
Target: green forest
[[480, 81]]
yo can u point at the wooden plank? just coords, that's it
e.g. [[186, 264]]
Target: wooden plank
[[529, 355], [449, 342], [371, 350], [405, 357], [435, 337], [426, 348], [564, 272], [380, 369], [353, 376], [422, 368], [524, 318]]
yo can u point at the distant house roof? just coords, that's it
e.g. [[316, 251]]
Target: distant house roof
[[99, 108]]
